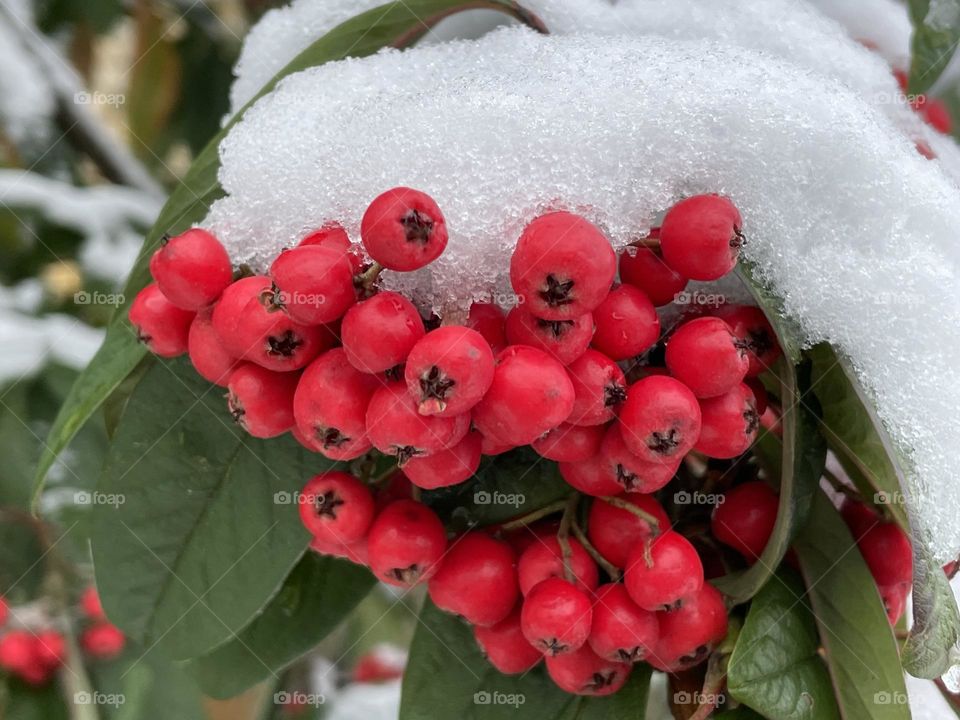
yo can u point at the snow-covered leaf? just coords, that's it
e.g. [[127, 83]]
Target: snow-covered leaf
[[936, 33]]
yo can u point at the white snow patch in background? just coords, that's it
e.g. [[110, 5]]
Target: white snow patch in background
[[885, 23], [26, 99], [856, 230]]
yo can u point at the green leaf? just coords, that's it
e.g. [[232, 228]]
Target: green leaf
[[447, 677], [936, 32], [788, 334], [395, 24], [860, 648], [775, 668], [506, 486], [196, 528], [316, 596], [851, 434], [23, 702], [935, 633]]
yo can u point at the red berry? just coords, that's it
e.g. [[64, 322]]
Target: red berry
[[530, 394], [50, 648], [477, 580], [334, 237], [760, 396], [192, 269], [261, 401], [336, 507], [449, 370], [632, 473], [544, 559], [599, 388], [859, 517], [488, 320], [379, 333], [689, 634], [330, 406], [313, 284], [449, 466], [90, 604], [356, 552], [707, 357], [895, 600], [887, 552], [621, 631], [627, 323], [614, 532], [729, 423], [505, 646], [591, 477], [556, 616], [494, 447], [570, 443], [700, 237], [562, 266], [228, 310], [207, 354], [660, 420], [565, 340], [160, 325], [403, 229], [937, 115], [406, 543], [102, 641], [396, 428], [583, 672], [663, 571], [17, 651], [381, 664], [645, 270], [4, 612], [754, 332], [745, 518]]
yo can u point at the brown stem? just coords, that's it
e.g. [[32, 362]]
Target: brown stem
[[840, 486], [563, 537], [712, 685], [532, 517], [652, 243], [631, 508], [365, 280], [608, 567]]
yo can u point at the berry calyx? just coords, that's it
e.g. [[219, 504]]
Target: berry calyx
[[395, 427], [544, 559], [745, 518], [707, 357], [260, 400], [570, 443], [614, 532], [729, 423], [330, 406], [599, 388], [663, 571], [583, 672], [477, 580], [336, 507], [403, 229], [531, 393], [689, 634], [160, 325], [621, 631], [313, 284], [208, 356], [405, 543], [701, 237], [632, 473], [660, 420], [379, 333], [449, 370], [556, 617], [645, 269], [505, 646], [565, 340], [192, 269], [562, 266], [754, 333], [449, 466], [627, 323]]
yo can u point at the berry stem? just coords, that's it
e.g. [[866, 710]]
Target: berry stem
[[648, 242], [532, 517], [631, 508], [712, 686], [840, 486], [368, 277], [563, 536], [612, 572]]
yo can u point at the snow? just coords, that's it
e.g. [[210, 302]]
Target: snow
[[26, 99], [884, 23], [855, 230]]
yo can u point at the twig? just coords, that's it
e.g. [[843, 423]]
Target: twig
[[532, 517], [631, 508], [608, 567], [563, 537]]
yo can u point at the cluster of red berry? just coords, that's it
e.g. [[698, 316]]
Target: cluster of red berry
[[34, 654], [316, 349]]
